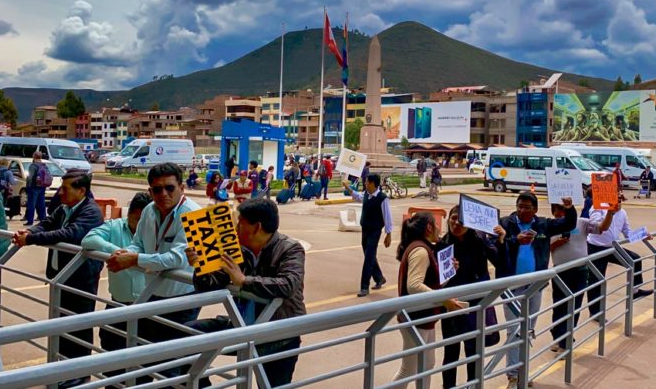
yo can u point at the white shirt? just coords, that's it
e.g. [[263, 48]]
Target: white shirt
[[620, 224]]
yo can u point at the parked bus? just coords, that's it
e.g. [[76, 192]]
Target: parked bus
[[632, 161], [517, 169]]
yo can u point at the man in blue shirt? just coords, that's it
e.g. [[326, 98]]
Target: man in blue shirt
[[125, 286], [159, 244], [527, 243]]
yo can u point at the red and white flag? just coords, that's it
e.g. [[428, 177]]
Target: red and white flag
[[330, 40]]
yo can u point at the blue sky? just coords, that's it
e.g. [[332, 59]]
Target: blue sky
[[118, 44]]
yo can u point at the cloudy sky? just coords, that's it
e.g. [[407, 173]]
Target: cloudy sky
[[119, 44]]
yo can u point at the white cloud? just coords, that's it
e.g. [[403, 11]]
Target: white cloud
[[219, 63], [629, 32], [7, 29]]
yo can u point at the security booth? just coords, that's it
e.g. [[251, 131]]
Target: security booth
[[248, 140]]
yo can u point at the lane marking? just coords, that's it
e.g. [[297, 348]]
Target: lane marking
[[35, 287], [351, 296]]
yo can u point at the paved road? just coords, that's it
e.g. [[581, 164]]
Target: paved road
[[333, 266]]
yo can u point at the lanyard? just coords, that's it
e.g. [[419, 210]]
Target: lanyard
[[168, 225]]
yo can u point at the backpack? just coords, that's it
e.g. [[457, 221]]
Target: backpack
[[322, 171], [43, 176], [221, 194], [5, 185], [306, 170], [262, 175]]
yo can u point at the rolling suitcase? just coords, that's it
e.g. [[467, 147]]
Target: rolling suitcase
[[317, 189], [284, 196], [13, 206], [307, 191]]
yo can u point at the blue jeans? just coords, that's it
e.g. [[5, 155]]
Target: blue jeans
[[324, 187], [512, 356], [36, 200]]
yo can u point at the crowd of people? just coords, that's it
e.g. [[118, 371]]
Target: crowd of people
[[151, 239]]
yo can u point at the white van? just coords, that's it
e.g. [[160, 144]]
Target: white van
[[145, 153], [516, 168], [65, 153], [632, 161], [481, 155]]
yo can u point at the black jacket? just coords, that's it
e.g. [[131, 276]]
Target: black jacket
[[279, 273], [51, 231], [472, 254], [545, 228]]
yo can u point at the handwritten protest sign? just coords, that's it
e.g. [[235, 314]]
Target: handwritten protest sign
[[639, 234], [478, 215], [211, 232], [604, 191], [564, 183], [351, 162], [445, 264]]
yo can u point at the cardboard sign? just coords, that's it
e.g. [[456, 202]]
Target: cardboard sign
[[564, 183], [604, 191], [639, 234], [351, 162], [445, 264], [211, 232], [478, 215]]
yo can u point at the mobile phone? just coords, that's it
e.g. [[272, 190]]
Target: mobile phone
[[530, 232]]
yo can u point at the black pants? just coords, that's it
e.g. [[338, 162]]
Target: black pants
[[576, 280], [454, 326], [158, 332], [279, 372], [78, 304], [370, 267], [299, 184], [601, 264], [111, 341]]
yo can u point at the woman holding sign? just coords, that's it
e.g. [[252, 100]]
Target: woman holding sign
[[473, 250], [419, 273]]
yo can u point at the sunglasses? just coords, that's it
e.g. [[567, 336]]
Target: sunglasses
[[158, 189]]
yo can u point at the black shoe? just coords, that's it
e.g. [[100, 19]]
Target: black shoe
[[379, 284], [73, 382], [363, 292], [642, 293]]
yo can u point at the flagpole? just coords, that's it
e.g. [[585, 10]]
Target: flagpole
[[344, 85], [323, 42], [282, 51]]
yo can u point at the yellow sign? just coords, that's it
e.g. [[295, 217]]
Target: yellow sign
[[212, 232]]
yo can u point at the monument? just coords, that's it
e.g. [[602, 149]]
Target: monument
[[373, 139]]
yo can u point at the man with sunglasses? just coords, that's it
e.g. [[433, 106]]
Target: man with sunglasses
[[159, 244]]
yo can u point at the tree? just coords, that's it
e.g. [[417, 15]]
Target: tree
[[584, 82], [155, 107], [637, 79], [8, 111], [523, 84], [70, 106], [405, 143], [619, 84], [352, 138]]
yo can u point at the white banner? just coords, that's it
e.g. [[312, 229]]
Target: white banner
[[564, 183], [445, 264], [447, 122], [351, 162]]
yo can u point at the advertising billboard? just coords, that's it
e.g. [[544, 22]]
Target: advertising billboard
[[605, 116], [428, 122]]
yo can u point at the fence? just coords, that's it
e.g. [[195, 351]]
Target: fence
[[367, 325]]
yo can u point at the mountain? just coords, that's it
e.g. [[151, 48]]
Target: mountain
[[415, 58]]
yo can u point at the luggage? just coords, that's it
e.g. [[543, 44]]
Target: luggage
[[13, 206], [284, 196], [307, 191], [317, 189]]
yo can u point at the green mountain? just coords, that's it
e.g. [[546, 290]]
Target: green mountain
[[415, 58]]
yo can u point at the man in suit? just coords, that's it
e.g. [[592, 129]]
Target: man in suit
[[69, 223]]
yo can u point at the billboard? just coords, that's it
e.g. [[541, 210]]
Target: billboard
[[605, 116], [428, 122]]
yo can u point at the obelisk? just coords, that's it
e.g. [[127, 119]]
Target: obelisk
[[373, 140]]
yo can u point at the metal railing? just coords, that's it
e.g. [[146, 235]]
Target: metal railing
[[366, 326]]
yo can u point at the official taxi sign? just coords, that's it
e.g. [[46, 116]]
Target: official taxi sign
[[212, 232]]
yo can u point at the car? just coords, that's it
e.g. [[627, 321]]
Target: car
[[204, 159], [21, 167], [93, 156], [476, 167], [103, 158], [429, 163]]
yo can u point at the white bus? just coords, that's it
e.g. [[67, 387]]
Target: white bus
[[632, 161], [516, 168], [64, 153]]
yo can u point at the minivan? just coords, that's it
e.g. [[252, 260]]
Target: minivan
[[64, 153], [146, 153]]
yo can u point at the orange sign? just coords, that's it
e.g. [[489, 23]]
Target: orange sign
[[605, 191]]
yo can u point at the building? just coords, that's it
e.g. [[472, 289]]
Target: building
[[210, 117], [96, 126], [82, 124], [244, 108], [47, 124]]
